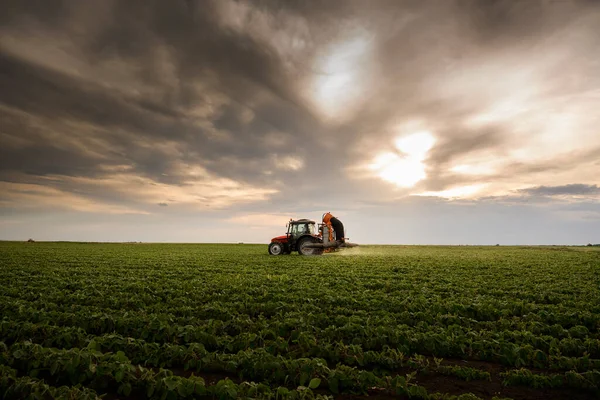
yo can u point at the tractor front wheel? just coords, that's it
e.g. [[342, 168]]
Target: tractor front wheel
[[308, 251], [275, 249]]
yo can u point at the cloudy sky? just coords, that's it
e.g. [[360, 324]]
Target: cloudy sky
[[435, 122]]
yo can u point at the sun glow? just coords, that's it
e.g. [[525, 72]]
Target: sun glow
[[405, 167], [473, 169], [456, 192]]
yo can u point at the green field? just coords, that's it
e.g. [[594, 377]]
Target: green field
[[171, 321]]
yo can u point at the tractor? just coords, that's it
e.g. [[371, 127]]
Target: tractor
[[308, 239]]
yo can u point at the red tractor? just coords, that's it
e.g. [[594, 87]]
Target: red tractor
[[308, 239]]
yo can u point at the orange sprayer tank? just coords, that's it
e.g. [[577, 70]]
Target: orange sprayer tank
[[327, 228]]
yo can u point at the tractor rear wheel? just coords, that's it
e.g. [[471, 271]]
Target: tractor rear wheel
[[275, 249], [308, 251]]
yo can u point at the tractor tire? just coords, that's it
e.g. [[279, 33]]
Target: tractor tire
[[276, 249], [303, 251]]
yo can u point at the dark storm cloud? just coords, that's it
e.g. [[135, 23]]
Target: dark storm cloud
[[572, 189], [226, 62], [244, 76]]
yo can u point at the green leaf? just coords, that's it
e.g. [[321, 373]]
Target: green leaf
[[171, 383], [200, 389], [119, 374], [150, 390], [303, 378], [185, 388], [232, 392], [126, 389], [18, 354], [54, 368], [93, 345], [333, 385], [417, 391], [314, 383], [121, 357]]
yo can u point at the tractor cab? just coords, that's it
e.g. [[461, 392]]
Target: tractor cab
[[301, 227]]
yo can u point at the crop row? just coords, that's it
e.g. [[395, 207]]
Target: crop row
[[570, 379], [320, 319], [150, 385], [157, 328], [196, 357], [510, 348], [13, 387], [257, 365], [333, 352], [101, 371], [581, 324], [486, 313]]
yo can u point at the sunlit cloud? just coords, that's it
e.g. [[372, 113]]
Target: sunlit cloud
[[470, 169], [43, 197], [540, 115], [405, 167], [288, 163], [416, 145], [455, 192], [341, 76], [199, 189]]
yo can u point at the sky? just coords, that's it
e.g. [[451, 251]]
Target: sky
[[414, 122]]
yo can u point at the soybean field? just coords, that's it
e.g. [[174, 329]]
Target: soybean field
[[181, 321]]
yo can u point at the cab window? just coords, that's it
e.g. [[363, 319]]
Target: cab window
[[298, 229]]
